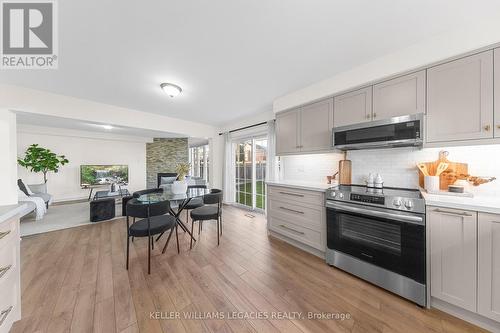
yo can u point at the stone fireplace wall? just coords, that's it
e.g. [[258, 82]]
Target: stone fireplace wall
[[163, 155]]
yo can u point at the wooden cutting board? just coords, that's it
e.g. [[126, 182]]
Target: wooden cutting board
[[449, 176]]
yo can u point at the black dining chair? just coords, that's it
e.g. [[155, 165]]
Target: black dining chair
[[193, 203], [137, 194], [153, 221], [212, 210]]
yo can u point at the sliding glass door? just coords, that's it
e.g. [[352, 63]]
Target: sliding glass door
[[250, 164]]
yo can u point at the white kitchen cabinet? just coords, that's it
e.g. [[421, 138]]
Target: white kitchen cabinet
[[489, 265], [316, 123], [287, 132], [453, 255], [496, 116], [305, 129], [353, 107], [460, 99], [297, 214], [401, 96]]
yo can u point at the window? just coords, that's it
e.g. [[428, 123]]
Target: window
[[199, 161], [250, 164]]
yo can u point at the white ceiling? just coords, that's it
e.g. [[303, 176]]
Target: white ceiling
[[32, 119], [231, 57]]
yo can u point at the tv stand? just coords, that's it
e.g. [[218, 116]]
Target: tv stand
[[108, 194], [100, 194]]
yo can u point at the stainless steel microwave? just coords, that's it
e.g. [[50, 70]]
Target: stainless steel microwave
[[404, 131]]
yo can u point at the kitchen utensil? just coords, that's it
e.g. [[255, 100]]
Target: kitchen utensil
[[423, 167], [442, 166], [345, 166], [447, 177], [431, 183]]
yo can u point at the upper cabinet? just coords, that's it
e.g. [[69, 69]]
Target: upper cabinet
[[316, 123], [497, 94], [400, 96], [287, 133], [353, 107], [460, 99], [306, 129]]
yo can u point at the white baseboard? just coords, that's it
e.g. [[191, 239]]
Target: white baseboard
[[466, 315]]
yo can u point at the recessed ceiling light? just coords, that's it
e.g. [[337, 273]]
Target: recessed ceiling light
[[107, 127], [171, 89]]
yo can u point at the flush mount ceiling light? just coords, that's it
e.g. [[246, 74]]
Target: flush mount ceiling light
[[171, 89]]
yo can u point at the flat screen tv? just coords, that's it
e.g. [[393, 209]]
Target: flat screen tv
[[103, 175]]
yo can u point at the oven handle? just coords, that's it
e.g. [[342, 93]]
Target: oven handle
[[405, 218]]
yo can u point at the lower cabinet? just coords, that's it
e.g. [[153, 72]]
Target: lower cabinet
[[297, 214], [489, 266], [465, 259], [453, 247]]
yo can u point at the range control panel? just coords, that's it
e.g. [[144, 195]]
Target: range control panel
[[368, 198]]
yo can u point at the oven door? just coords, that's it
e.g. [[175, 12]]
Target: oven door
[[389, 239]]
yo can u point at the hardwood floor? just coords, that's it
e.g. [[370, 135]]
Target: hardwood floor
[[75, 280]]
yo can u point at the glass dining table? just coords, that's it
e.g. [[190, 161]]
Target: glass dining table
[[176, 200]]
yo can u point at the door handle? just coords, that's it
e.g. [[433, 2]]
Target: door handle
[[4, 314], [293, 194], [4, 270], [292, 210], [3, 234], [291, 229], [437, 210]]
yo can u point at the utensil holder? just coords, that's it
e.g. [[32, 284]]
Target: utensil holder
[[431, 183]]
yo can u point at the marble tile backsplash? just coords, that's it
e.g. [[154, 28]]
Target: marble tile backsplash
[[396, 165]]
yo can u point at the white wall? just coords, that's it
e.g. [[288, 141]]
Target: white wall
[[397, 166], [82, 147], [8, 167], [311, 168], [441, 47]]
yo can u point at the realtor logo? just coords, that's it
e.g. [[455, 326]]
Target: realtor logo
[[29, 34]]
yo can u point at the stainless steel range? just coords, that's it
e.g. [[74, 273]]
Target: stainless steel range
[[379, 236]]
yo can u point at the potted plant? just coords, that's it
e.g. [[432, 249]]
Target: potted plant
[[180, 185], [38, 159]]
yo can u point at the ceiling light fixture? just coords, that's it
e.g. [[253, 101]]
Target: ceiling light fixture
[[171, 89]]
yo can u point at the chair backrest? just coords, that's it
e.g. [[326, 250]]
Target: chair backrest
[[197, 186], [148, 191], [159, 175], [140, 210], [213, 198]]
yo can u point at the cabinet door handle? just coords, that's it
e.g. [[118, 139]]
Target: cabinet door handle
[[292, 210], [367, 116], [374, 115], [487, 128], [293, 194], [291, 229], [3, 234], [498, 126], [4, 270], [4, 314], [451, 213]]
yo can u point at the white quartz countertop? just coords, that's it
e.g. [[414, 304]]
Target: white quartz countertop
[[6, 212], [487, 204], [311, 186]]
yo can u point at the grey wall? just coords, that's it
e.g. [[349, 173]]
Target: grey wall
[[163, 155]]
